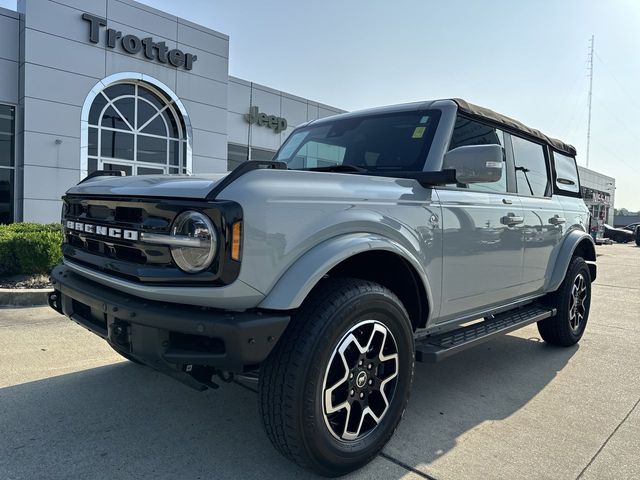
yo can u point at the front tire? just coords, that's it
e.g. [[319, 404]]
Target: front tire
[[335, 387], [572, 302]]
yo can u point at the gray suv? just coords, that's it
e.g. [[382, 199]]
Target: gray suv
[[372, 240]]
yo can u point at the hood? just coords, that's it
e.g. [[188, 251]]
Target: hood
[[181, 186]]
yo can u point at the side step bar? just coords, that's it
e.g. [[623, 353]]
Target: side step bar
[[438, 347]]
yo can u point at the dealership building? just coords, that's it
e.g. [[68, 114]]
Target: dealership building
[[115, 84]]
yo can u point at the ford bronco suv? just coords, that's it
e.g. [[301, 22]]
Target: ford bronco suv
[[372, 240]]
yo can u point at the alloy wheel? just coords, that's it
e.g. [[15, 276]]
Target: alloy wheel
[[577, 308], [360, 380]]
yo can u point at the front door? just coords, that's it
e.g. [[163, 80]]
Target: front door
[[482, 251]]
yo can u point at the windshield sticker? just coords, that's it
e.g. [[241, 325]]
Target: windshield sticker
[[418, 132], [424, 120]]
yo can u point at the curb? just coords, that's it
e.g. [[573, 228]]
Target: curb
[[24, 297]]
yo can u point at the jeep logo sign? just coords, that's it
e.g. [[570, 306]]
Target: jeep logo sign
[[133, 45], [278, 124]]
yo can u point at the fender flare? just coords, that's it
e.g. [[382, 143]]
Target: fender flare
[[295, 284], [565, 253]]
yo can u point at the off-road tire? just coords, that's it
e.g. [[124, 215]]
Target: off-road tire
[[558, 330], [292, 379]]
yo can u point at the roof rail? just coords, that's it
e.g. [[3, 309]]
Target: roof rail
[[103, 173], [240, 170]]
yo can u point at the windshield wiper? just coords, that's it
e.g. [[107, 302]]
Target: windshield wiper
[[337, 168]]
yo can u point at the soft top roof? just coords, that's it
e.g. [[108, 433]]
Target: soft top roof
[[510, 123]]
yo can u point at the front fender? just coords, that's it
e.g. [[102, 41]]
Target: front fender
[[295, 284], [575, 239]]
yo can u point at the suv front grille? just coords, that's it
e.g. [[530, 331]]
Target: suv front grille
[[103, 233]]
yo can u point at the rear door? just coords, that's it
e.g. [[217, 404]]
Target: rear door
[[544, 221]]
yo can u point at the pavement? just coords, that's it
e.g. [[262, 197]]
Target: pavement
[[512, 408]]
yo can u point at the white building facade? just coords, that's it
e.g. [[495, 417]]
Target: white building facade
[[115, 84]]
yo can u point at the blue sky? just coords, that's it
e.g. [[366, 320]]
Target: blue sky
[[524, 59]]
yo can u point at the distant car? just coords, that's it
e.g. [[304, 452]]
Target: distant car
[[619, 235], [632, 226]]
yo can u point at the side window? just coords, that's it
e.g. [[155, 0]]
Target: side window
[[566, 173], [531, 168], [469, 132]]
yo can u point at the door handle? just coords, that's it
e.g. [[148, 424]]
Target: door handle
[[507, 201], [511, 220], [556, 220]]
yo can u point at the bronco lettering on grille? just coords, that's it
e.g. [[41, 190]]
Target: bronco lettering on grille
[[103, 231]]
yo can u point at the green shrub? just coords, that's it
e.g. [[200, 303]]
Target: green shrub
[[29, 248]]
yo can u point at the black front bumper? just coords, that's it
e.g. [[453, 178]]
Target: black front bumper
[[169, 337]]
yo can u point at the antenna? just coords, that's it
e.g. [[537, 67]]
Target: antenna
[[590, 62]]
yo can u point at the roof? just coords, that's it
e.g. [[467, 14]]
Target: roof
[[465, 107], [510, 123]]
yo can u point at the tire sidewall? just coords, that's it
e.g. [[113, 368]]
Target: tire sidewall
[[325, 448], [578, 266]]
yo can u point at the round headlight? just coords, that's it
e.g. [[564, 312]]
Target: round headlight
[[196, 241]]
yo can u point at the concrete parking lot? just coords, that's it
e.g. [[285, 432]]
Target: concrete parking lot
[[511, 408]]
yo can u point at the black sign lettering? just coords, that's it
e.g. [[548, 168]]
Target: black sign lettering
[[94, 26], [131, 44], [277, 124], [134, 45], [176, 57]]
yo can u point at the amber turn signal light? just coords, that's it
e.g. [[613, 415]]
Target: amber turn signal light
[[236, 237]]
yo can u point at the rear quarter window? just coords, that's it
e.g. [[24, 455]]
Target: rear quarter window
[[567, 179]]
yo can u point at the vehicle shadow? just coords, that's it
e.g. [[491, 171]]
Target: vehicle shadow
[[127, 421], [488, 383]]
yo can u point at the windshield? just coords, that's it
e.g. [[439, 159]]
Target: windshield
[[388, 142]]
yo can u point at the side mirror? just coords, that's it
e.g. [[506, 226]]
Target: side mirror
[[475, 163]]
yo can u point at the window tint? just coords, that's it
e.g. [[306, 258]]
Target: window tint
[[469, 132], [566, 173], [383, 142], [531, 168]]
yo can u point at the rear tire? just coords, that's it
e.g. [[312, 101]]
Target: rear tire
[[348, 348], [572, 302]]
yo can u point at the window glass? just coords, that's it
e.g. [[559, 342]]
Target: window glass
[[149, 171], [112, 119], [566, 173], [261, 154], [127, 169], [126, 107], [140, 119], [116, 145], [6, 195], [469, 132], [531, 167], [115, 91], [383, 142], [7, 135], [96, 108], [236, 154], [152, 149], [93, 142], [174, 152]]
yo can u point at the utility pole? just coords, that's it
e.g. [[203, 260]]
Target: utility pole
[[590, 61]]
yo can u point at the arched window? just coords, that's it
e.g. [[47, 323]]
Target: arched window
[[133, 126]]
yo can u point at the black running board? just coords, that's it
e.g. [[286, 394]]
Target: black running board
[[438, 347]]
